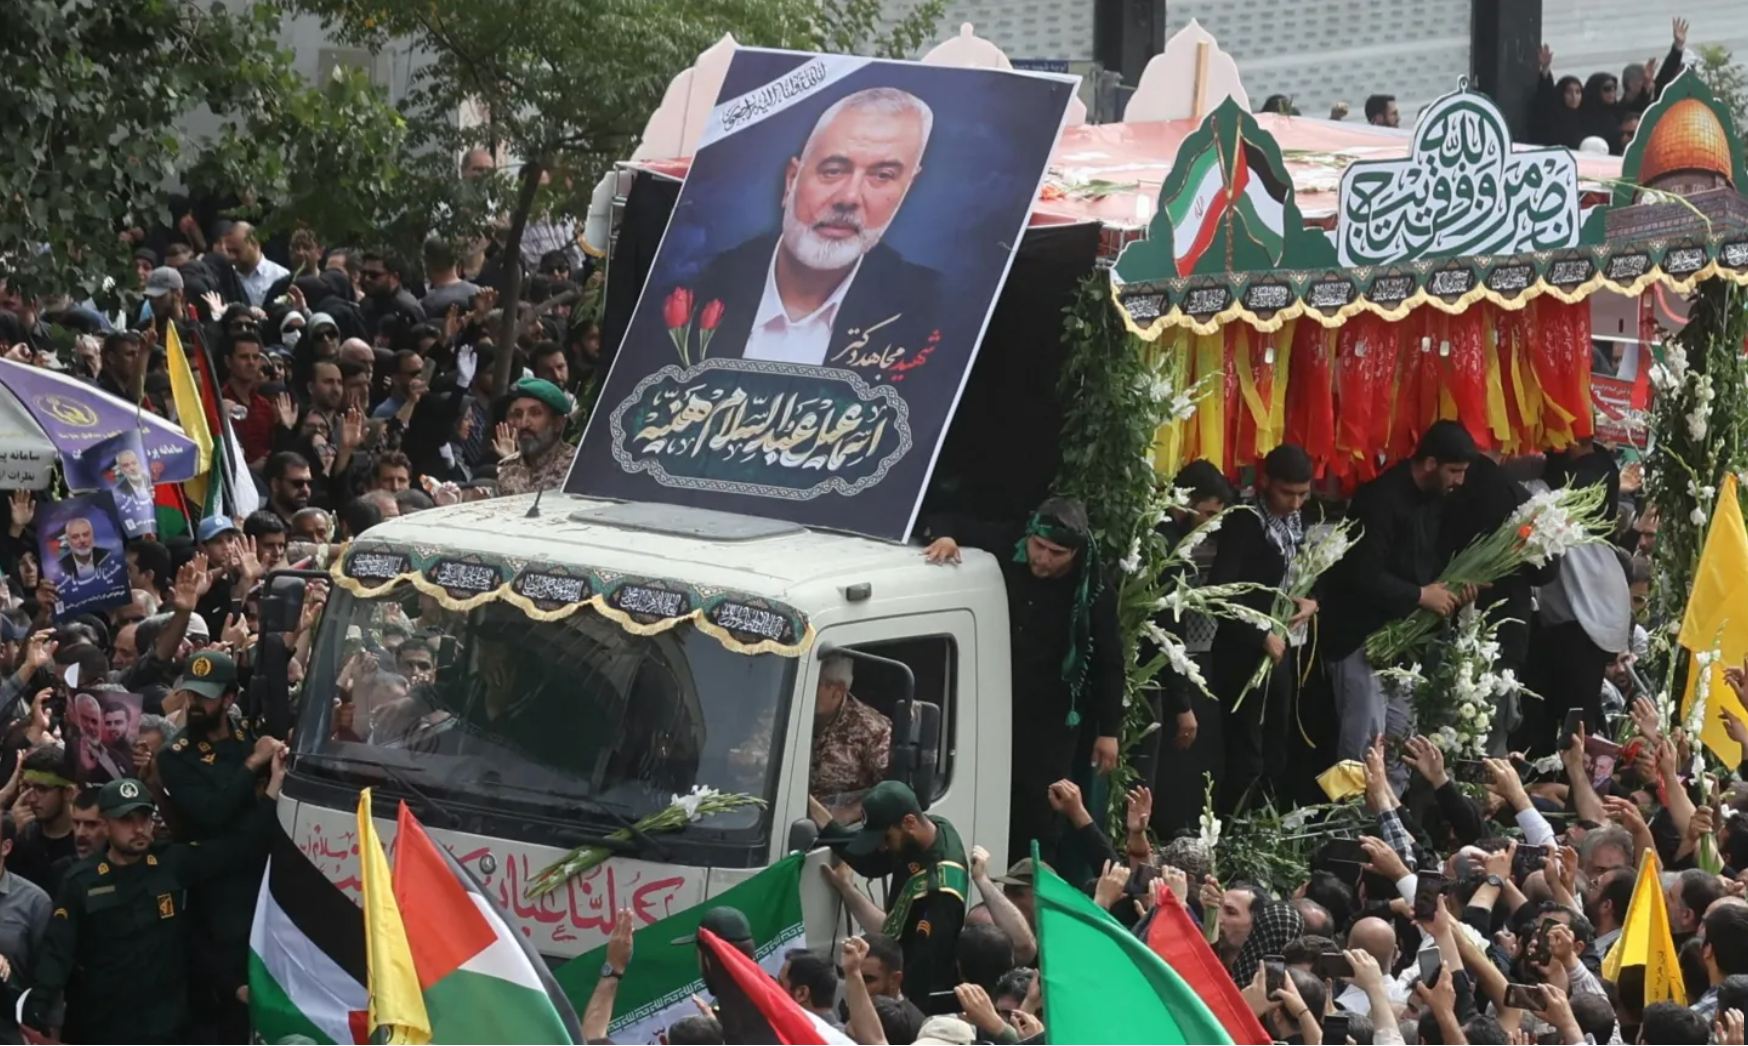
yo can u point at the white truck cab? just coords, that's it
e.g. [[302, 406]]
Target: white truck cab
[[562, 671]]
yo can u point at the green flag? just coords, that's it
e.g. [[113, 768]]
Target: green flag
[[663, 977], [1102, 983]]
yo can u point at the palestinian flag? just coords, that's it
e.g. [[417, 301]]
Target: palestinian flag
[[480, 979], [1176, 938], [306, 954], [1260, 198], [658, 988], [755, 1008], [1197, 208]]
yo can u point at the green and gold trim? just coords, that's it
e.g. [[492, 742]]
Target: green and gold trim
[[545, 591]]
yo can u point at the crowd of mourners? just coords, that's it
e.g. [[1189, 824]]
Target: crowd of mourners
[[1477, 906], [1599, 113], [359, 386]]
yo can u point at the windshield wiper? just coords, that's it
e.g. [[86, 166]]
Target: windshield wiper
[[429, 805]]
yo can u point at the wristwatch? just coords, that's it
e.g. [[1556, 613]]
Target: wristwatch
[[1494, 881], [608, 972]]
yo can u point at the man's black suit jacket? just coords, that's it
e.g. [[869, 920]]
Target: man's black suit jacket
[[884, 287]]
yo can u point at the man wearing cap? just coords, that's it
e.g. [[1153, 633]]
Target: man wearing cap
[[926, 902], [533, 452], [741, 1021], [120, 921], [1067, 651], [210, 772], [233, 571]]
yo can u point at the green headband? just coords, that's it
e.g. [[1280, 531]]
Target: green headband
[[47, 777], [1078, 660]]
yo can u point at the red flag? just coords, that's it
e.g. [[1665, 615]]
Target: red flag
[[1176, 938], [760, 999]]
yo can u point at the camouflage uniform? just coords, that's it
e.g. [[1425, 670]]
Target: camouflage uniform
[[849, 752], [517, 476]]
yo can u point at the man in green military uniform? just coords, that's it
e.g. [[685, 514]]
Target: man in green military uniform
[[118, 938], [926, 901], [211, 772]]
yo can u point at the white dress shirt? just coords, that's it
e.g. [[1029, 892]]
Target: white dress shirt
[[267, 273], [807, 340]]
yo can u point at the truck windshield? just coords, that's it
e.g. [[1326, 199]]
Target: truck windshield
[[495, 710]]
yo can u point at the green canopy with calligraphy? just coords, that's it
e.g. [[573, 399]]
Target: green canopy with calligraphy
[[1465, 217]]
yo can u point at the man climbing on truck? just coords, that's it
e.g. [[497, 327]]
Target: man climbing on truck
[[1067, 654]]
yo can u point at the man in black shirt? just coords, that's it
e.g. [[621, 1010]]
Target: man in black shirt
[[1391, 571], [49, 836], [1258, 547], [1067, 654]]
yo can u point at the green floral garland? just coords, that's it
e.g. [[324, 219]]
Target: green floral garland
[[1699, 432]]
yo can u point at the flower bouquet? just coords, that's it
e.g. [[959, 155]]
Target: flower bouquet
[[1313, 561], [1547, 525], [699, 803], [1454, 704], [1181, 596]]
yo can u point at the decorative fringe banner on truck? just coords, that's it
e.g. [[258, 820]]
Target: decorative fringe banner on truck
[[740, 621]]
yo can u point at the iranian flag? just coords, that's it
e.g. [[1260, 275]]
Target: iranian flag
[[306, 954], [1197, 208], [481, 981], [663, 977]]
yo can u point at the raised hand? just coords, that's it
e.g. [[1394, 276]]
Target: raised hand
[[1140, 811], [1545, 58], [619, 942], [855, 953], [1111, 884], [23, 511], [504, 441], [1678, 26], [1427, 760], [215, 305], [352, 429], [286, 408], [248, 562], [39, 653], [236, 632], [191, 583]]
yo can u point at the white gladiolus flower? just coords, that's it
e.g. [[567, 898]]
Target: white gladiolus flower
[[1697, 517], [1210, 833], [1131, 563]]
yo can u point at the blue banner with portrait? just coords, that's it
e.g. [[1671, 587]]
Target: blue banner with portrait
[[83, 552], [821, 289]]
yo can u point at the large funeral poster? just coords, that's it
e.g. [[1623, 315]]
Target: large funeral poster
[[818, 298]]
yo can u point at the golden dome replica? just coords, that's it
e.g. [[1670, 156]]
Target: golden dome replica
[[1684, 147], [1688, 151]]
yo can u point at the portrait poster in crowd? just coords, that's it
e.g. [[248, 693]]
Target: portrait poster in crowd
[[118, 465], [818, 297], [83, 551], [102, 727]]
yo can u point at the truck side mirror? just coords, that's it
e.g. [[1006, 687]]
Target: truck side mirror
[[915, 756], [282, 603], [803, 835]]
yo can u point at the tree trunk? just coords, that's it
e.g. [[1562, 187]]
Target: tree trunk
[[511, 300]]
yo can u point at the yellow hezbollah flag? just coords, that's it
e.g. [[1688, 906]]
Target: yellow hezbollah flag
[[1717, 612], [190, 414], [1646, 941], [397, 1005]]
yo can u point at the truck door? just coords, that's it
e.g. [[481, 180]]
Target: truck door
[[940, 649]]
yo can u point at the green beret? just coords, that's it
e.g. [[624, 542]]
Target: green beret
[[544, 391]]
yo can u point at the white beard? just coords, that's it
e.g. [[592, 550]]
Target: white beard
[[814, 251]]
